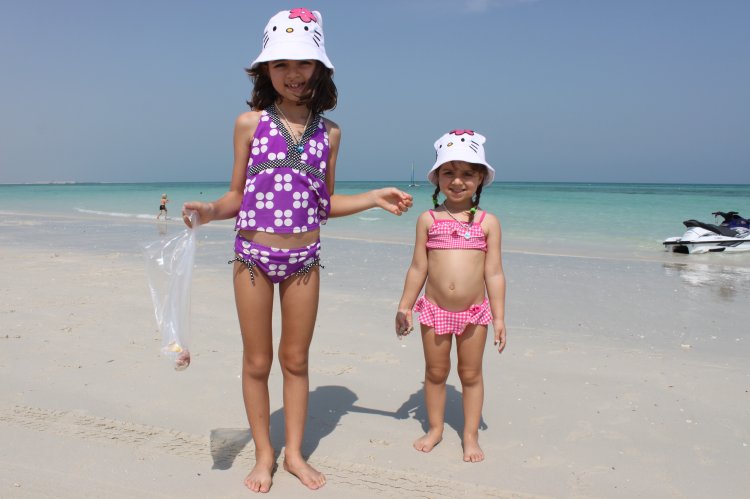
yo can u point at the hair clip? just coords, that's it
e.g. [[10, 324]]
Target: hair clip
[[473, 210]]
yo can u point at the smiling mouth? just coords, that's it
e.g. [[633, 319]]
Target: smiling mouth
[[295, 86]]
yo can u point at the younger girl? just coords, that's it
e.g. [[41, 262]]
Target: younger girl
[[457, 253], [280, 193]]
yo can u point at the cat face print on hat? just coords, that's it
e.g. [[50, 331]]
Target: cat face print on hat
[[461, 145], [295, 34]]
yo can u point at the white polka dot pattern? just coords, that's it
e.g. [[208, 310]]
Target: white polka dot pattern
[[285, 190]]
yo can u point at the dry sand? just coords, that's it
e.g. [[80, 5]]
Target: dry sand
[[613, 383]]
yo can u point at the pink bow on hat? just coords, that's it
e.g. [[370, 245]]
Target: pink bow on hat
[[304, 15]]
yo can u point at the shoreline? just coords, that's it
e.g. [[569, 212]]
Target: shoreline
[[140, 228]]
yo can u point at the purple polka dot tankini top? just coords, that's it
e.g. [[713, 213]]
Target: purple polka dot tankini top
[[285, 189]]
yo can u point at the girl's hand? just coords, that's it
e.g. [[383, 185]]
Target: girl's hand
[[205, 212], [393, 200], [499, 326], [403, 323]]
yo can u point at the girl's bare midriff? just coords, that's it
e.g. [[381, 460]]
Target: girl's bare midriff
[[282, 241], [455, 279]]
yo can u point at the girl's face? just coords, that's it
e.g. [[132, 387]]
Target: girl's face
[[289, 77], [459, 181]]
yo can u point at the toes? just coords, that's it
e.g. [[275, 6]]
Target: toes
[[252, 485]]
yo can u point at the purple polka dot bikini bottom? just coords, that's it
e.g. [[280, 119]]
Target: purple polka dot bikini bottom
[[277, 264]]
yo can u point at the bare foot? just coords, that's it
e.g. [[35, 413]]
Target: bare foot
[[428, 442], [309, 476], [472, 452], [260, 477]]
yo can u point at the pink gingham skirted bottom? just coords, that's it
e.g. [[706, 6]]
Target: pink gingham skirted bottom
[[446, 322]]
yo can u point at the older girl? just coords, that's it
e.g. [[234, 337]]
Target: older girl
[[282, 190]]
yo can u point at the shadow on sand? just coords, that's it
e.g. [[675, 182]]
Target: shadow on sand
[[327, 405]]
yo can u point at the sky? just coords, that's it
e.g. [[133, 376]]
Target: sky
[[564, 90]]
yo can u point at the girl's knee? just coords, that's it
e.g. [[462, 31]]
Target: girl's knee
[[256, 366], [295, 364], [437, 374], [469, 375]]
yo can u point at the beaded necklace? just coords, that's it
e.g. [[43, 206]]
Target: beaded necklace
[[465, 225], [299, 147]]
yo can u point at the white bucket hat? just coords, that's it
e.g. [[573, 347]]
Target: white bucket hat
[[295, 34], [461, 145]]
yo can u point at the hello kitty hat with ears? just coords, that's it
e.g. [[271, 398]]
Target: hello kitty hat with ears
[[461, 145], [295, 34]]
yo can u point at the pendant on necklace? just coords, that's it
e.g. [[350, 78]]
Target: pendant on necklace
[[467, 234], [300, 148]]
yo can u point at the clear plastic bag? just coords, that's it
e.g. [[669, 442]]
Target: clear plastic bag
[[169, 266]]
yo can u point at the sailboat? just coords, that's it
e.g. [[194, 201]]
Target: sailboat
[[412, 184]]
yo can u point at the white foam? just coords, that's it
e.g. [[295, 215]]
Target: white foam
[[106, 213]]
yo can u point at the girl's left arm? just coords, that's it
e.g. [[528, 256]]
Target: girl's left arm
[[389, 198], [494, 278]]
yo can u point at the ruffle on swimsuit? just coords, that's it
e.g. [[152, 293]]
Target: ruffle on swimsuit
[[451, 234], [446, 322]]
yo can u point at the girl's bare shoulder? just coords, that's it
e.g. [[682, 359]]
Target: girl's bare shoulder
[[490, 220], [245, 126], [332, 127], [248, 119], [488, 216], [426, 216], [424, 220], [330, 124]]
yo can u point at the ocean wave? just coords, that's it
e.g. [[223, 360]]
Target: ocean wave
[[50, 182], [369, 219], [114, 214]]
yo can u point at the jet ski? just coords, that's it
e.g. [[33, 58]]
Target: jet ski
[[730, 236]]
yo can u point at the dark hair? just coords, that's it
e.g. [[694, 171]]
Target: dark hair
[[475, 201], [435, 194], [321, 92]]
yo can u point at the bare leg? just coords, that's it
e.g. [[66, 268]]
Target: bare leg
[[437, 356], [254, 309], [299, 309], [470, 351]]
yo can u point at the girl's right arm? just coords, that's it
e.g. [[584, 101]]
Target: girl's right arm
[[388, 198], [228, 205], [415, 277]]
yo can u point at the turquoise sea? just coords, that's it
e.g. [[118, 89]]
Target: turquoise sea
[[568, 248], [572, 219]]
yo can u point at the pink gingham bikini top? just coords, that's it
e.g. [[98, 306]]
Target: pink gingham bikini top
[[451, 234]]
